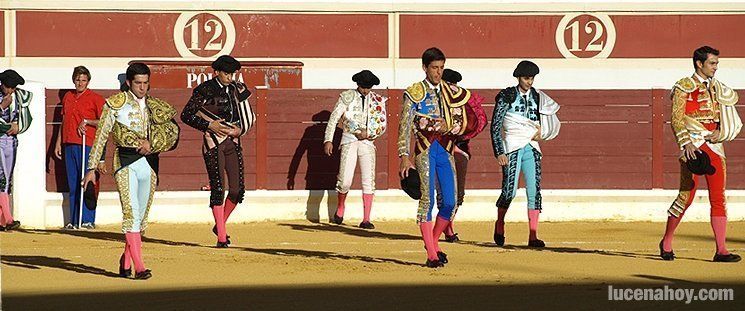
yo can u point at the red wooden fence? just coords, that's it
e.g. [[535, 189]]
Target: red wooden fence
[[610, 139]]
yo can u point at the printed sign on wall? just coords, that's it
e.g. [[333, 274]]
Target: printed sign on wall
[[204, 35], [585, 36]]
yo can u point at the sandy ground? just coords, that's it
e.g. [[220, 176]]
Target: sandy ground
[[302, 265]]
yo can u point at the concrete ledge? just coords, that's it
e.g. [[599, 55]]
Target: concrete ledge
[[318, 205]]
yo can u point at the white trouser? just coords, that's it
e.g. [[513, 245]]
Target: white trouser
[[350, 153]]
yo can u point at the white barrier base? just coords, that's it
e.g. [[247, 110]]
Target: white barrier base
[[262, 205]]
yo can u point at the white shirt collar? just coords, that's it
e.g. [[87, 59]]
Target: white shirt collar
[[701, 79], [521, 90], [431, 86], [140, 101]]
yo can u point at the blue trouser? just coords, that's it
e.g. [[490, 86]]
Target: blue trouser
[[73, 165], [528, 160], [436, 167]]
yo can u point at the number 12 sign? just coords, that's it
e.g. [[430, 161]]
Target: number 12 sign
[[204, 34], [585, 36]]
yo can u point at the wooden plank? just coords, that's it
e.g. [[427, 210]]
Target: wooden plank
[[261, 139], [395, 98], [657, 100]]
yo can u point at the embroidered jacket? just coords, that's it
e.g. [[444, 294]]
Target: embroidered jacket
[[356, 115], [122, 118], [432, 114], [697, 111], [520, 117], [211, 101], [17, 112]]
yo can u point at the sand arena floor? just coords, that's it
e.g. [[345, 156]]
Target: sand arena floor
[[300, 265]]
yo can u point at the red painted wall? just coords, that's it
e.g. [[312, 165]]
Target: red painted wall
[[2, 33], [533, 36], [114, 34]]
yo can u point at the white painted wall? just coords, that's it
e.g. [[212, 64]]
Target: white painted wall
[[479, 205], [29, 176]]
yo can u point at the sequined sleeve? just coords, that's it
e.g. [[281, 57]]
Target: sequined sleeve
[[404, 127], [339, 109], [677, 118], [105, 125], [189, 114], [500, 110]]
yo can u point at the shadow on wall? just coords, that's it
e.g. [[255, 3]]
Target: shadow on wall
[[320, 176], [52, 161]]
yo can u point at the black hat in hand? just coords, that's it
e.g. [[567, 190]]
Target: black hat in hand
[[411, 184], [90, 197], [701, 165]]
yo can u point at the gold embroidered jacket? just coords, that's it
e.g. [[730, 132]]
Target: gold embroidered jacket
[[698, 111], [423, 107], [121, 117]]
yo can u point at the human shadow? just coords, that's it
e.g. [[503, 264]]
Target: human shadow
[[701, 237], [575, 250], [38, 262], [111, 236], [60, 180], [324, 255], [320, 176], [353, 231], [313, 204]]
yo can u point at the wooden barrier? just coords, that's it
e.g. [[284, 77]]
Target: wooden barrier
[[610, 139]]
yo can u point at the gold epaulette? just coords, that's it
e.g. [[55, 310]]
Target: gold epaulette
[[160, 110], [117, 100], [416, 91], [686, 84], [157, 102], [348, 96]]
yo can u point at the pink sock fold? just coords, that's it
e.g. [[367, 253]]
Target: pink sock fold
[[426, 229], [218, 211], [125, 260], [719, 225], [134, 240], [229, 207], [367, 201], [341, 198], [440, 225], [533, 223], [5, 205], [499, 225], [667, 240]]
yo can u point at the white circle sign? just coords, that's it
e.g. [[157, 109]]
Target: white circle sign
[[570, 25], [214, 45]]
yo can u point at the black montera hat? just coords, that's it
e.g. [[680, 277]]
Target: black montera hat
[[451, 76], [11, 78], [411, 184], [526, 68], [226, 63], [365, 79]]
